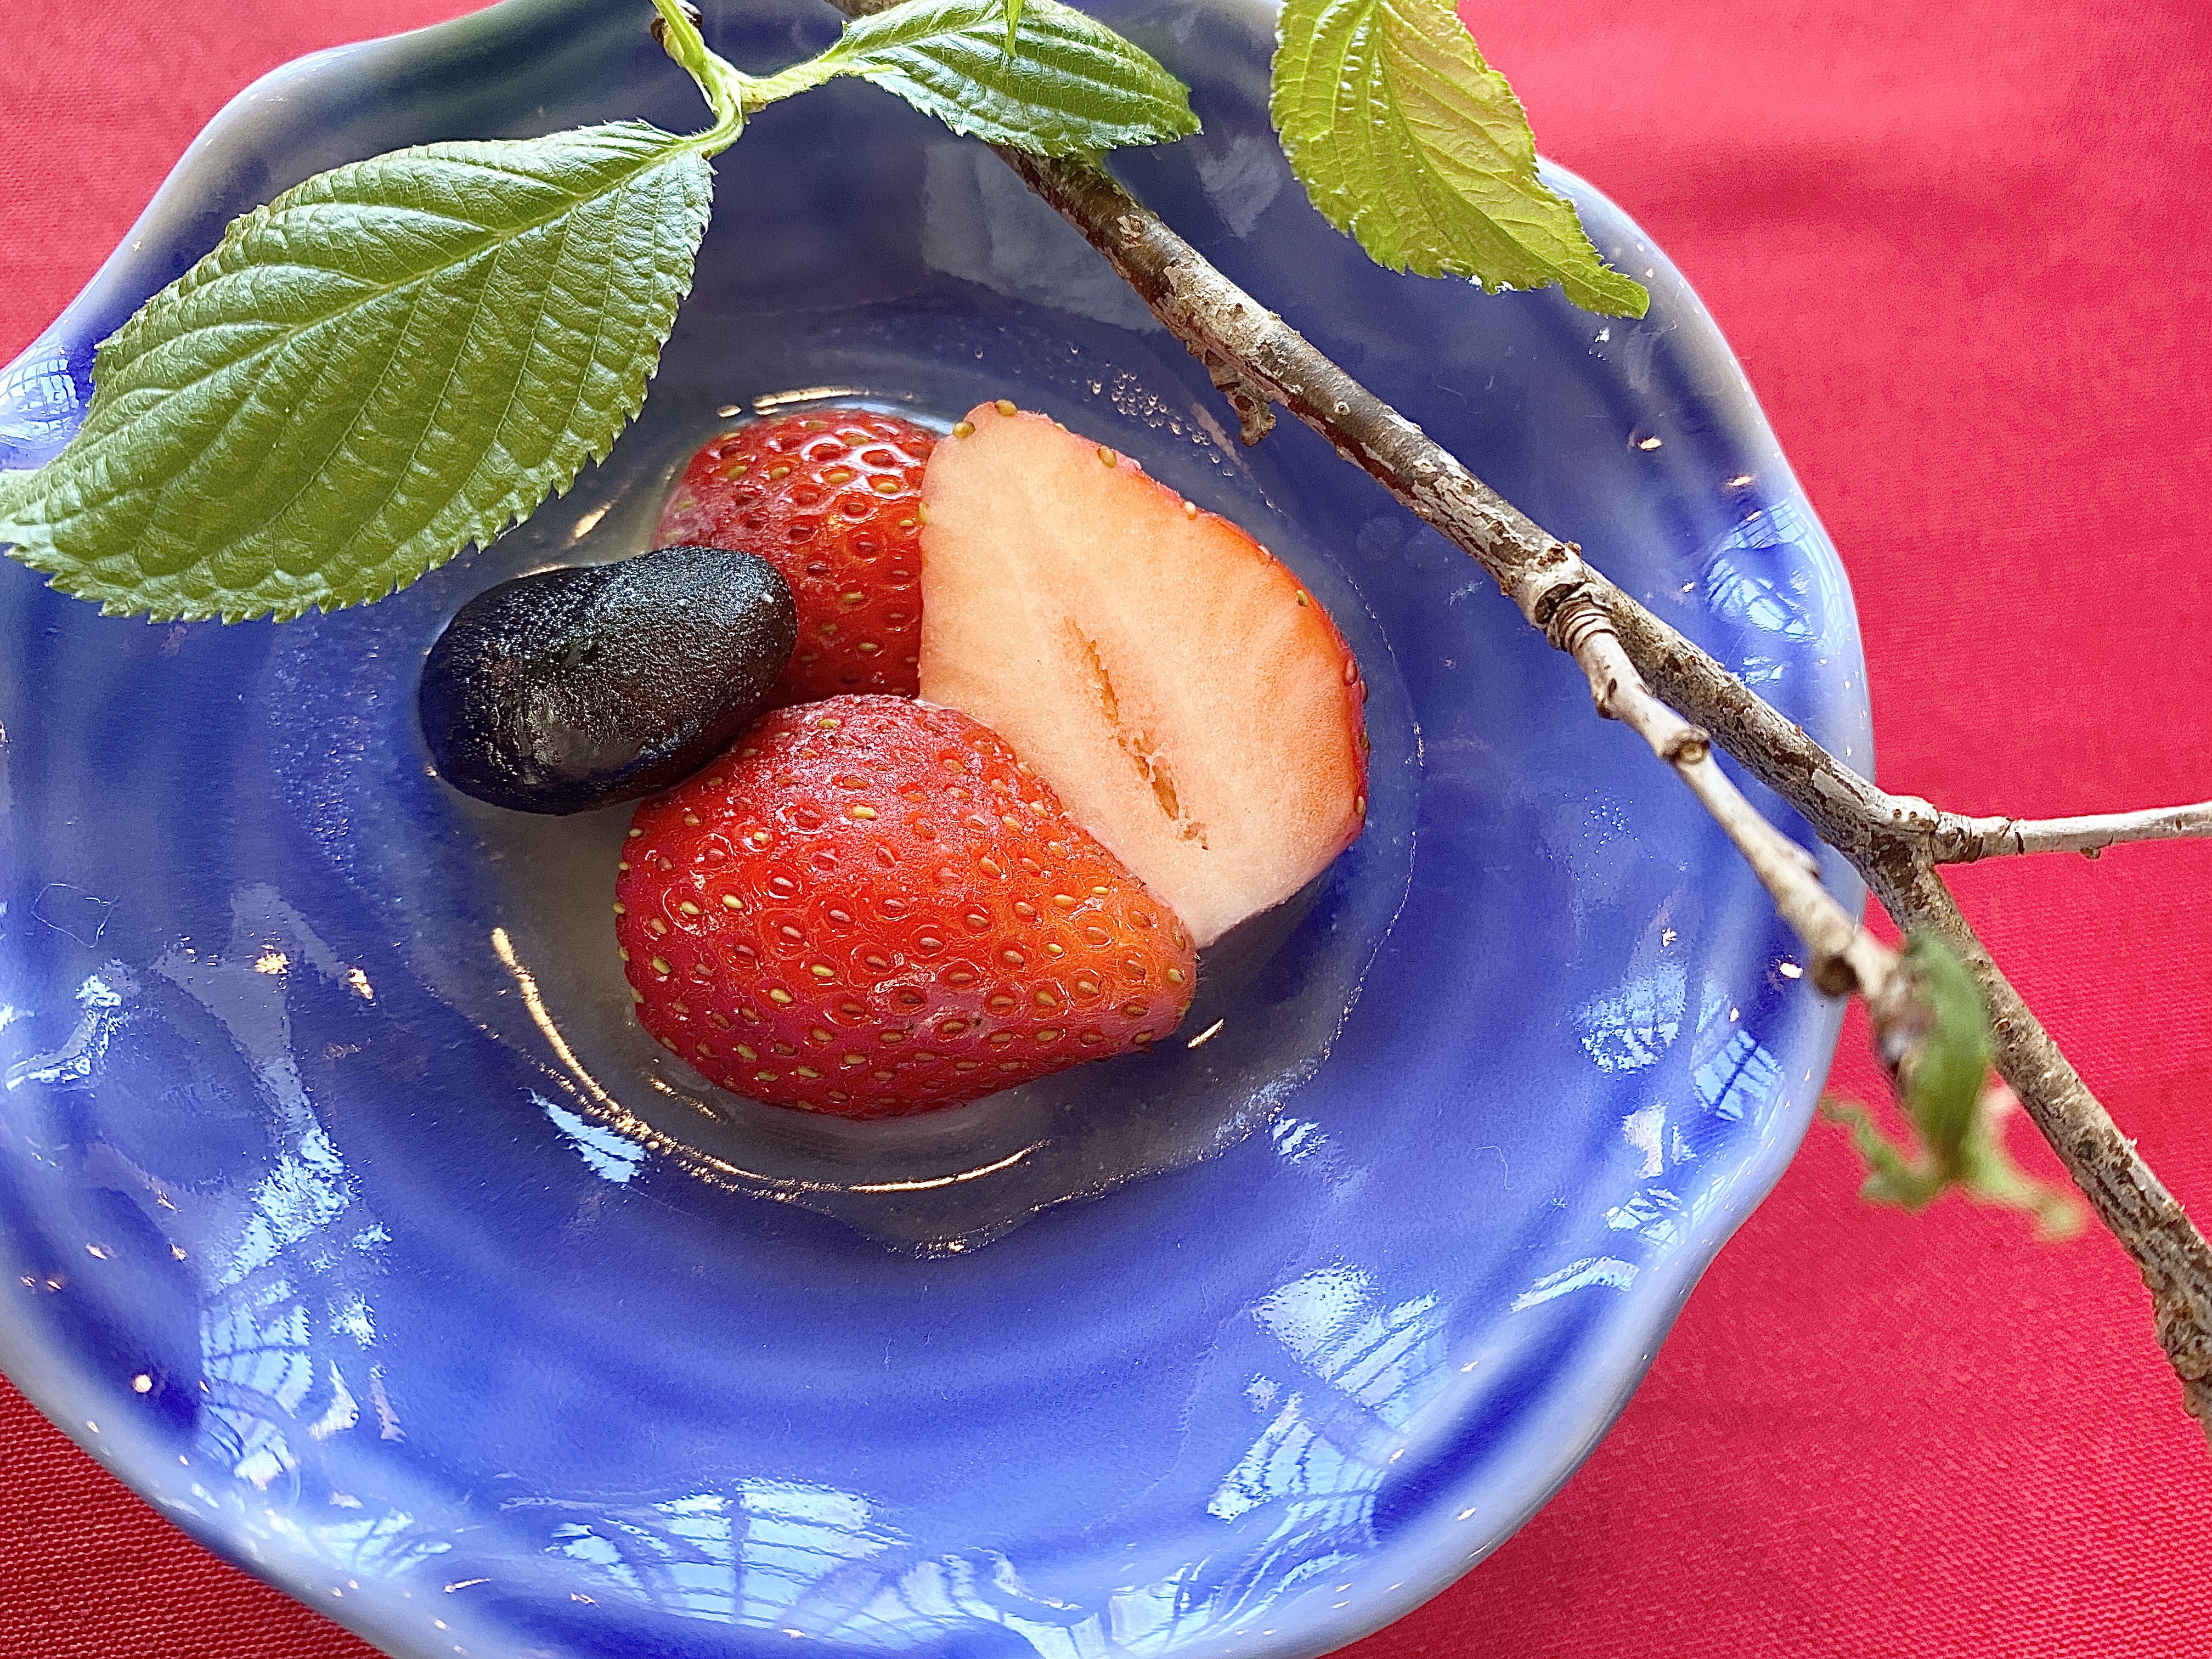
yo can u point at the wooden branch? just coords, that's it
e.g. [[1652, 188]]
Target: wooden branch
[[1891, 840], [1634, 660], [1960, 840], [1844, 957]]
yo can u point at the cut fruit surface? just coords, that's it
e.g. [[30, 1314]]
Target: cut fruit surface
[[1192, 704]]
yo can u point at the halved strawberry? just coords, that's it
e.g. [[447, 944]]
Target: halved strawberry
[[870, 907], [1191, 703], [832, 499]]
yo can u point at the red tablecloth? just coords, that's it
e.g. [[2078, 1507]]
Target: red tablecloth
[[1961, 249]]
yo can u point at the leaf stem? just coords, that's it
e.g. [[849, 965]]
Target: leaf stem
[[730, 92], [726, 88], [760, 93], [1098, 89]]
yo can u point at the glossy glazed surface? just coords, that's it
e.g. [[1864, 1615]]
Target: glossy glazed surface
[[287, 1137]]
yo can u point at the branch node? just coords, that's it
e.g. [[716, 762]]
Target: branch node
[[1687, 746], [1546, 584], [1900, 1016], [1255, 418], [1570, 617], [658, 28], [1832, 975]]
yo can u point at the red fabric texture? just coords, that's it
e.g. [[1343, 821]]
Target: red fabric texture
[[1959, 249]]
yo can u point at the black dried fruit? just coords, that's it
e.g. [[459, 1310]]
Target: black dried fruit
[[580, 687]]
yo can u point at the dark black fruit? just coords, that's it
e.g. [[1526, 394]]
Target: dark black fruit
[[578, 688]]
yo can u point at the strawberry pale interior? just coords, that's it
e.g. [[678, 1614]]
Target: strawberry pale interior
[[1192, 704]]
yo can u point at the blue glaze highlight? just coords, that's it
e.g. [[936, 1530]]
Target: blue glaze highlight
[[310, 1230]]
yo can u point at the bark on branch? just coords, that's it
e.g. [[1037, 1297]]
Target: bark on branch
[[1959, 840], [1844, 957], [1681, 700], [1893, 840]]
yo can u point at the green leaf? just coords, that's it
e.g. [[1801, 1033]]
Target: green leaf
[[1943, 1077], [721, 84], [1895, 1174], [1407, 139], [1957, 1119], [385, 364], [1988, 1174], [1074, 86]]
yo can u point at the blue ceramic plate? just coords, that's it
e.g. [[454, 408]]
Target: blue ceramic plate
[[347, 1218]]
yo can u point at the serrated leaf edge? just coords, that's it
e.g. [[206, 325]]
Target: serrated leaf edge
[[550, 479], [1340, 206], [1046, 23]]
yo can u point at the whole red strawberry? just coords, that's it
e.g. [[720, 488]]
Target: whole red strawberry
[[833, 500], [871, 907]]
